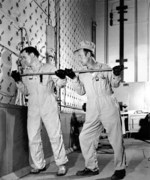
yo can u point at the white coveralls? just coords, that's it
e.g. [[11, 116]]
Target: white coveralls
[[102, 109], [42, 105]]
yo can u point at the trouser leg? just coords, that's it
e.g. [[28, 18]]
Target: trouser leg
[[116, 140], [112, 123], [53, 127], [89, 139], [35, 142]]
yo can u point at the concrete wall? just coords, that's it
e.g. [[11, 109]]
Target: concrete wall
[[75, 25]]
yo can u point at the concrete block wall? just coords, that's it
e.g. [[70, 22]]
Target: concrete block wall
[[24, 22]]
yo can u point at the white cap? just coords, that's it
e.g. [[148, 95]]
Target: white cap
[[86, 45]]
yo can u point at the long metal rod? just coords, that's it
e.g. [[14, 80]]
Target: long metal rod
[[53, 73], [40, 7], [14, 52], [9, 50]]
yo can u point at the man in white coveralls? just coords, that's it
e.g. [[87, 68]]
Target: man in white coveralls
[[102, 108], [42, 107]]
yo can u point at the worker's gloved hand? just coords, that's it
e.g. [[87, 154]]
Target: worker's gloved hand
[[70, 73], [60, 73], [16, 76], [117, 70]]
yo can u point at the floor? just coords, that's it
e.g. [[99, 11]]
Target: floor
[[138, 163]]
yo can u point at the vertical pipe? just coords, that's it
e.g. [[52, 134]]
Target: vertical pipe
[[106, 31], [121, 32], [22, 39], [58, 33], [57, 15], [55, 31], [136, 42], [48, 12], [48, 35], [121, 50]]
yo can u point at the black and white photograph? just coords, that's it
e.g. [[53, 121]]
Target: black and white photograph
[[74, 89]]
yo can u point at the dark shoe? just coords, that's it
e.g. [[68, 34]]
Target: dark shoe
[[87, 172], [61, 170], [37, 171], [118, 174]]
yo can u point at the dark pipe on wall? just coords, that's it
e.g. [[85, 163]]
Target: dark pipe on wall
[[106, 32]]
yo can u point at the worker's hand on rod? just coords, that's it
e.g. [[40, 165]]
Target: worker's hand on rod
[[70, 73], [117, 70], [60, 73], [16, 76]]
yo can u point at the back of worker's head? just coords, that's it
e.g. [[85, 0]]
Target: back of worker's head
[[30, 50]]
